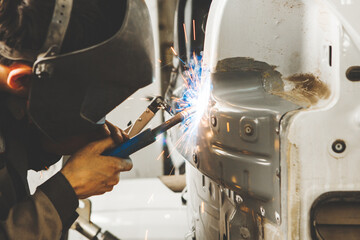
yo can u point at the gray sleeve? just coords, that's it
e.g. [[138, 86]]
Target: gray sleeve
[[43, 215], [35, 218]]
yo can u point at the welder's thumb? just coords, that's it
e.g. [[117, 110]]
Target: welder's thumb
[[102, 145]]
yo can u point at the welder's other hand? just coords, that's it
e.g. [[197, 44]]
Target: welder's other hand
[[116, 133], [90, 173]]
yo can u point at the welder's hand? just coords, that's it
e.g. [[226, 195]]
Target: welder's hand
[[116, 133], [90, 173]]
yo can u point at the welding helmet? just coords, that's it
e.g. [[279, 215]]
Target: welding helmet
[[71, 93]]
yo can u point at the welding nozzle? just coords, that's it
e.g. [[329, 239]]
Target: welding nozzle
[[188, 112], [178, 118]]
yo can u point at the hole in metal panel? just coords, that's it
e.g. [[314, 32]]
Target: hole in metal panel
[[353, 73], [330, 55], [339, 146], [336, 215]]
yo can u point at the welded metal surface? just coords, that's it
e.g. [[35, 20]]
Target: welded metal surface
[[216, 212], [241, 151]]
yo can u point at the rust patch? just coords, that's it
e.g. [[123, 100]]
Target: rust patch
[[244, 209], [294, 194], [306, 89]]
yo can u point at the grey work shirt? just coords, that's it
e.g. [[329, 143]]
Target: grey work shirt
[[51, 209]]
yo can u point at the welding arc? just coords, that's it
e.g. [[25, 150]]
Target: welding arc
[[145, 138]]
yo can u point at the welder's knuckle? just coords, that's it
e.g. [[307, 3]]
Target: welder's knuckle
[[114, 167], [124, 134], [99, 193], [109, 188], [106, 130], [112, 164], [109, 184], [113, 182], [120, 139]]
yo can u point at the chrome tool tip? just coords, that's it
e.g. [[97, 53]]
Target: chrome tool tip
[[187, 112]]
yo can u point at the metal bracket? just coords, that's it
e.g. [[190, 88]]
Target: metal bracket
[[156, 104]]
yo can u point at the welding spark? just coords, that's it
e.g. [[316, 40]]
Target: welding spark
[[160, 156], [146, 234], [202, 207], [185, 33], [194, 98], [173, 50], [150, 199], [175, 53], [173, 168], [195, 58]]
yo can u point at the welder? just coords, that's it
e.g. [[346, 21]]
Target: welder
[[64, 65]]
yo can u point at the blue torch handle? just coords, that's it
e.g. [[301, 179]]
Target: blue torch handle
[[132, 145], [145, 138]]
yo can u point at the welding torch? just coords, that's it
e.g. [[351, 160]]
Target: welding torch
[[146, 137]]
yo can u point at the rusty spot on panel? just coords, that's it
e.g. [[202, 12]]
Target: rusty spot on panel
[[293, 4], [237, 186], [233, 179], [293, 191], [306, 89], [244, 209]]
